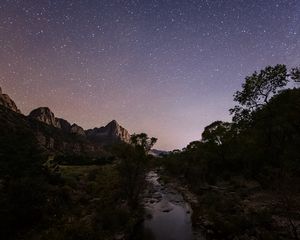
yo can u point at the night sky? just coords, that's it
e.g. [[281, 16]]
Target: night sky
[[167, 68]]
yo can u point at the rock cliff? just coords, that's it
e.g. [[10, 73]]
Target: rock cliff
[[58, 135], [112, 132], [44, 114], [75, 129], [64, 125], [7, 102]]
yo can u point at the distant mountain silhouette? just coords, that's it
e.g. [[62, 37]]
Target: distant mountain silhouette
[[57, 135], [158, 153]]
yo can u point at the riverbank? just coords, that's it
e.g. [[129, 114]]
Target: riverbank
[[199, 231], [95, 209], [168, 215], [171, 205], [239, 209]]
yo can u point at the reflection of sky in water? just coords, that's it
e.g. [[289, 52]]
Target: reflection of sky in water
[[170, 220]]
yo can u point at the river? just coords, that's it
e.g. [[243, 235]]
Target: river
[[168, 215]]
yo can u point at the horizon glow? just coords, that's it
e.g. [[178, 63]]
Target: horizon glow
[[164, 67]]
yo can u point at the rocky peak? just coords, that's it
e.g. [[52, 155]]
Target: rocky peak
[[112, 132], [7, 102], [117, 130], [45, 115], [64, 124], [112, 125], [75, 129]]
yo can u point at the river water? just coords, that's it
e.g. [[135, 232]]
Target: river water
[[168, 216]]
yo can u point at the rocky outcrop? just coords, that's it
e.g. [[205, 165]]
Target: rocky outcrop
[[7, 102], [64, 125], [52, 140], [57, 135], [45, 141], [112, 132], [117, 131], [77, 130], [44, 114]]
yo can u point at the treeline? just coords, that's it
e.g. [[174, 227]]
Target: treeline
[[71, 196], [262, 141], [28, 196], [246, 172]]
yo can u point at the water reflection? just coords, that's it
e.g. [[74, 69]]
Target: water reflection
[[168, 215]]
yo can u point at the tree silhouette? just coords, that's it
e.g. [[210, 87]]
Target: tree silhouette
[[142, 141], [295, 74], [257, 91]]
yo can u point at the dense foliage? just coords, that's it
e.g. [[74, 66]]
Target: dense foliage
[[266, 136], [26, 195], [261, 144], [133, 165], [70, 196]]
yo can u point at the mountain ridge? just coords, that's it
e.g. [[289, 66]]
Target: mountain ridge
[[111, 132], [59, 135]]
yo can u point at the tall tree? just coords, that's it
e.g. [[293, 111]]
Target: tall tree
[[132, 166], [143, 142], [216, 132], [257, 91]]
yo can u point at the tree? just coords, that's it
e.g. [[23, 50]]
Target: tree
[[132, 166], [193, 145], [143, 142], [216, 138], [24, 184], [295, 74], [216, 132], [257, 91]]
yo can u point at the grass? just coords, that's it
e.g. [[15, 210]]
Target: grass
[[94, 207], [80, 171]]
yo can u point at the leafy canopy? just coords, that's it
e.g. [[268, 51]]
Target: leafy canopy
[[142, 141], [295, 74], [216, 132], [258, 89]]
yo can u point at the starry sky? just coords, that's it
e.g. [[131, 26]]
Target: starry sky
[[164, 67]]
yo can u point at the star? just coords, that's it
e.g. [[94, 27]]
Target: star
[[146, 63]]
